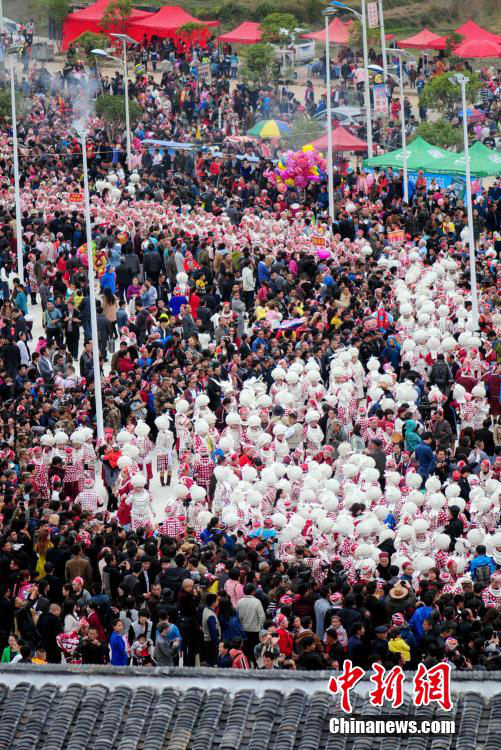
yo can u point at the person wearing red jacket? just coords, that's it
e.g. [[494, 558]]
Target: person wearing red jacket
[[285, 638]]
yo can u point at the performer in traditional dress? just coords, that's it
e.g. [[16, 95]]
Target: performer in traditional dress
[[165, 448], [140, 503], [145, 446], [89, 499]]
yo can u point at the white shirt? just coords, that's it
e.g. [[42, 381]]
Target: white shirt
[[24, 352], [248, 282]]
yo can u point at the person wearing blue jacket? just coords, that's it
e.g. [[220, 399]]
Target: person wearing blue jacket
[[207, 535], [119, 655], [263, 272], [109, 280], [391, 353], [115, 255], [481, 559], [422, 613], [425, 456]]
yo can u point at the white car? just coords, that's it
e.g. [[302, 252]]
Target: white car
[[344, 115], [296, 54]]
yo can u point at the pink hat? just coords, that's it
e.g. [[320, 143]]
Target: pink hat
[[281, 620], [268, 523], [79, 580]]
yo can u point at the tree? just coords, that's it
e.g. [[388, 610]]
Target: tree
[[355, 35], [444, 96], [440, 133], [55, 11], [264, 9], [451, 42], [116, 15], [229, 12], [189, 28], [278, 27], [111, 109], [258, 63], [5, 105], [304, 130], [89, 41]]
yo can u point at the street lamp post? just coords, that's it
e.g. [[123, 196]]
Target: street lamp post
[[383, 39], [462, 81], [404, 134], [330, 161], [400, 54], [92, 294], [17, 192], [125, 39], [367, 94], [366, 77]]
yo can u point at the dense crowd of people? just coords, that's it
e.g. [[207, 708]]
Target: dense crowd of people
[[302, 422]]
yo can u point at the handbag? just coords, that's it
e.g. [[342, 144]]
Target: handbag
[[111, 346]]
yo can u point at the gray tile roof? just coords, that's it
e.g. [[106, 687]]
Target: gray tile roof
[[97, 717]]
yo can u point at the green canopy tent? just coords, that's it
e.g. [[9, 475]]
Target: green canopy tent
[[420, 155], [484, 162]]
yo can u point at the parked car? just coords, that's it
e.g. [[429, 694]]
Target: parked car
[[344, 115]]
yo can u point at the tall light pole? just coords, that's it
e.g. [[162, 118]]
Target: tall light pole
[[462, 81], [402, 124], [400, 54], [383, 39], [366, 77], [17, 193], [92, 292], [330, 161], [367, 94], [125, 39]]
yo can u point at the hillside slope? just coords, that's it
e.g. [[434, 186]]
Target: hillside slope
[[401, 16]]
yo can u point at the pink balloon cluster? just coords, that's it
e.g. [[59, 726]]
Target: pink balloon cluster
[[297, 169]]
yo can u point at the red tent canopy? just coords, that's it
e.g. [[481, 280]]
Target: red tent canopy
[[419, 41], [478, 48], [166, 22], [246, 33], [339, 33], [88, 19], [469, 31], [342, 140]]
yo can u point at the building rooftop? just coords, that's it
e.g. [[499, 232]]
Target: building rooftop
[[55, 708]]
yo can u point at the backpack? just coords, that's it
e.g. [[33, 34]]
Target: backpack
[[483, 575], [441, 374]]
